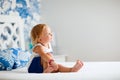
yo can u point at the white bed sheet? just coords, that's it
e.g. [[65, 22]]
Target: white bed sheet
[[90, 71]]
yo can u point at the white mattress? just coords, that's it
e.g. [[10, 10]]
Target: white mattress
[[90, 71]]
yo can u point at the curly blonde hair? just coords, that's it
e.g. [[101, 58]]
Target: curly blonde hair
[[36, 32]]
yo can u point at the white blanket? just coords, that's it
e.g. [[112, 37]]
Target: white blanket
[[90, 71]]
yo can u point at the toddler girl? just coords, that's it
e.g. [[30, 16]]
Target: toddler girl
[[42, 60]]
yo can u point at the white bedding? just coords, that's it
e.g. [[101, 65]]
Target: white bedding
[[90, 71]]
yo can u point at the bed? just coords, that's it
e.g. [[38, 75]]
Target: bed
[[90, 71]]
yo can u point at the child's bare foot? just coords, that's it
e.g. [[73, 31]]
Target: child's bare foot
[[49, 69], [77, 66]]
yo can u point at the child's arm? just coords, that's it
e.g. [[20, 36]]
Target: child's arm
[[40, 51], [45, 56]]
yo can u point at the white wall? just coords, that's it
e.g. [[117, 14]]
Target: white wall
[[85, 29]]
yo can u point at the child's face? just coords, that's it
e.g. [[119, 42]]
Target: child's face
[[46, 36]]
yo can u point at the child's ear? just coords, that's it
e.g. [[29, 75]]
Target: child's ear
[[39, 39]]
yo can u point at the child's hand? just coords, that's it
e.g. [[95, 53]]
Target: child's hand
[[54, 65]]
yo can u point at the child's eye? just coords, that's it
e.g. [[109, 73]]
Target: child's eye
[[50, 33]]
